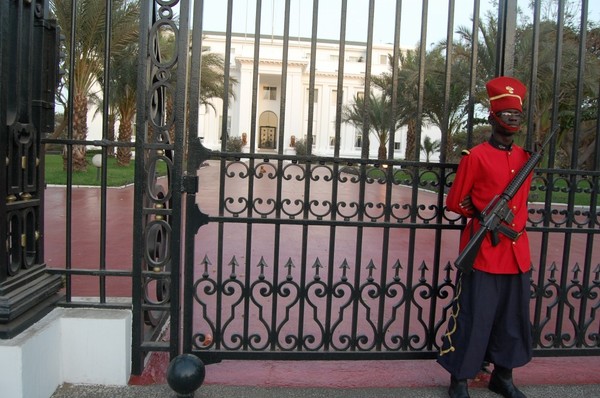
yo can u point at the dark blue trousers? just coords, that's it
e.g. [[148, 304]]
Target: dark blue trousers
[[489, 322]]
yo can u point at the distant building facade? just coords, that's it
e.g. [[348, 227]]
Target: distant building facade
[[269, 94], [296, 118]]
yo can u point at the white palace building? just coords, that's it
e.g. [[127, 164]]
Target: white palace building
[[297, 94], [268, 116]]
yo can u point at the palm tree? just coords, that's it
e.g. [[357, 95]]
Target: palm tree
[[380, 117], [448, 114], [429, 147], [124, 85], [543, 102], [212, 76], [407, 96], [486, 34], [434, 110], [89, 49]]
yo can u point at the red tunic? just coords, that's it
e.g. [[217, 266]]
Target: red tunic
[[483, 174]]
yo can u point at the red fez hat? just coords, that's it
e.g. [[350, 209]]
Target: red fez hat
[[505, 93]]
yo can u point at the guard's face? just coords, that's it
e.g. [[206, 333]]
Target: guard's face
[[511, 118]]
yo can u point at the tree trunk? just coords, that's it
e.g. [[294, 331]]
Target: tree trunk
[[409, 152], [382, 152], [111, 133], [446, 156], [125, 133], [79, 133], [59, 130]]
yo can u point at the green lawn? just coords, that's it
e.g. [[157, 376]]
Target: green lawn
[[117, 175], [429, 180]]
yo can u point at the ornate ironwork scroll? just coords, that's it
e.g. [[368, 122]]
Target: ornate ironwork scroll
[[157, 211]]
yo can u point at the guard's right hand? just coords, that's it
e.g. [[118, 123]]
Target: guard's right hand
[[467, 204]]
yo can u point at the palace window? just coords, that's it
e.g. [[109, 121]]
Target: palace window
[[270, 93]]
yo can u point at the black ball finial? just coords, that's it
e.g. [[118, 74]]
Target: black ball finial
[[185, 374]]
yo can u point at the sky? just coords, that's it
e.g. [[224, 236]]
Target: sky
[[272, 18]]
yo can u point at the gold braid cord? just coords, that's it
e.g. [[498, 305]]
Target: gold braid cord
[[453, 315]]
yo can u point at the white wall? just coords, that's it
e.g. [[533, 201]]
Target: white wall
[[80, 346]]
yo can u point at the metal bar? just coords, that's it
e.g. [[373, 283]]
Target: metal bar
[[381, 321], [583, 27], [366, 356], [180, 121], [533, 80], [584, 323], [537, 312], [279, 188], [335, 181], [190, 197], [69, 148], [143, 76], [552, 149], [104, 178], [308, 174], [473, 73], [415, 181]]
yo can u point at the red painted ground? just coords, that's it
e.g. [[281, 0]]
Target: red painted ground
[[372, 374]]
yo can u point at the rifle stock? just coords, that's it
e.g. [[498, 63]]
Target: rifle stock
[[498, 211]]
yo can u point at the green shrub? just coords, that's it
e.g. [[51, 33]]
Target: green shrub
[[301, 147], [234, 144]]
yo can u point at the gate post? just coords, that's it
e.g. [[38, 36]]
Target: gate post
[[160, 136], [28, 73]]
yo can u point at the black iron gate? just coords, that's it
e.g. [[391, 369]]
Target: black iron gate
[[310, 256], [251, 252]]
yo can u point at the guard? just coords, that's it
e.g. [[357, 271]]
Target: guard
[[490, 312]]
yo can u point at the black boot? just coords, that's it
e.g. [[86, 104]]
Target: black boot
[[501, 383], [458, 388]]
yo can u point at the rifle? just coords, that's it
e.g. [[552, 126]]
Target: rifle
[[498, 211]]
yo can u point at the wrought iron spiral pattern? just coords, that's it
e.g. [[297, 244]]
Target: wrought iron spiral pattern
[[557, 185], [320, 177], [570, 308], [330, 304], [158, 155], [369, 315], [316, 313]]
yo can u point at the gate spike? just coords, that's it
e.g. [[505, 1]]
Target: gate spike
[[233, 263], [448, 268], [576, 271], [397, 267], [317, 265], [423, 268], [344, 268], [371, 266], [597, 272], [206, 263], [262, 264], [289, 265], [553, 269]]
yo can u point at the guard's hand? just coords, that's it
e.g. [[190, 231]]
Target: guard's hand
[[466, 204]]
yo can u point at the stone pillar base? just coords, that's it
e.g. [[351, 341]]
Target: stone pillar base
[[26, 298]]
